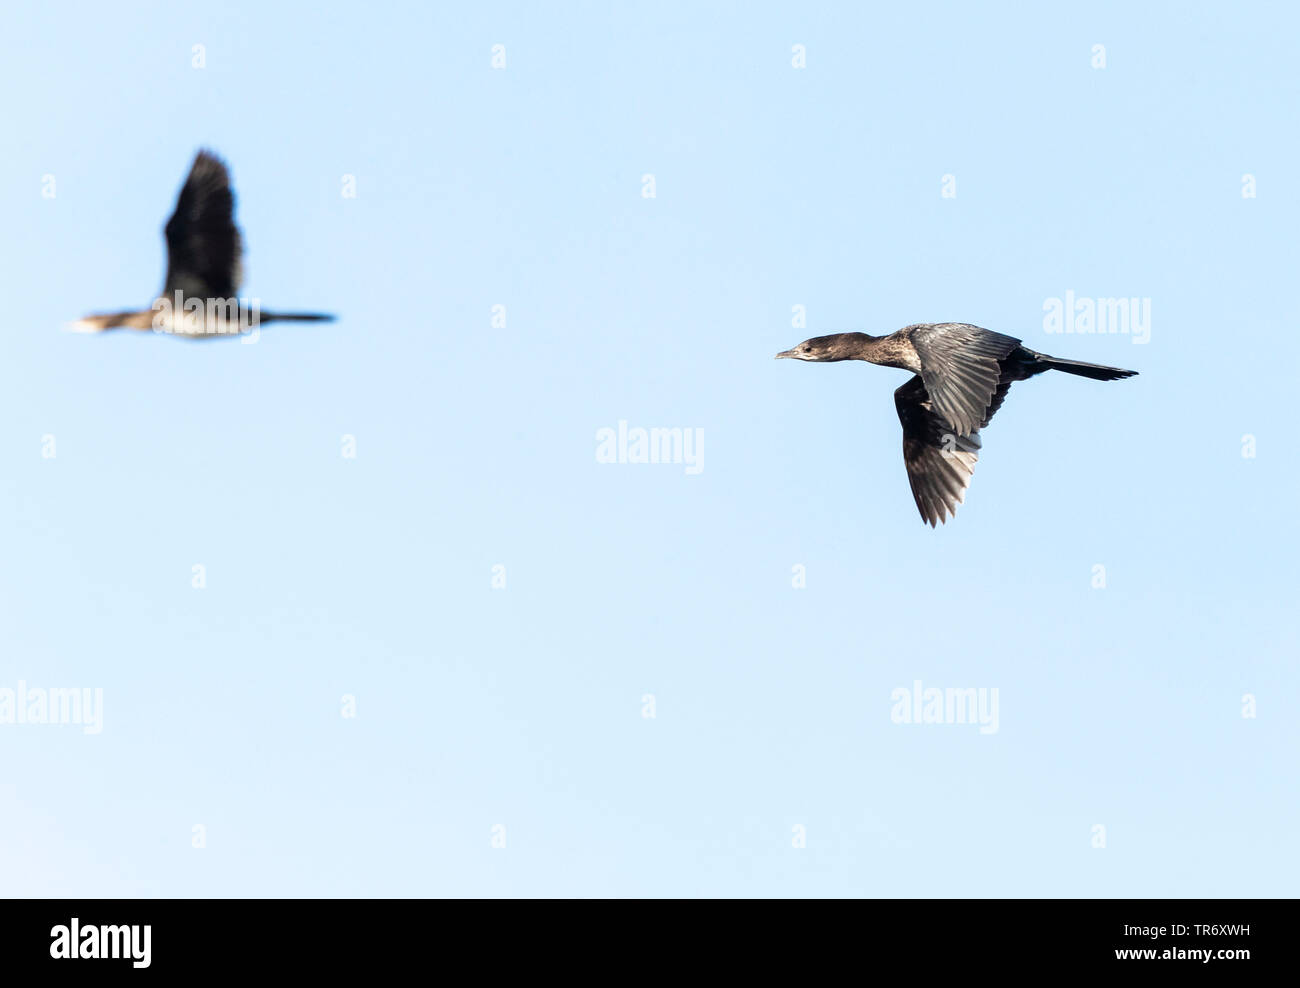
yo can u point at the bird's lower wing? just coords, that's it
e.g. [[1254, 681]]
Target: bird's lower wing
[[961, 368], [939, 461]]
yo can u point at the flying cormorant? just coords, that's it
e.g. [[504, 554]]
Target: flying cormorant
[[963, 374], [199, 296]]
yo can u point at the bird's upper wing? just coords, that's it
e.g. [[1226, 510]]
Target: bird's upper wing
[[939, 462], [960, 368], [203, 243]]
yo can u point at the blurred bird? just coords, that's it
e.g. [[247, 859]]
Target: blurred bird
[[963, 374], [204, 250]]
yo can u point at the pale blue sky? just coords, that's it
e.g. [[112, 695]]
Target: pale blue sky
[[522, 707]]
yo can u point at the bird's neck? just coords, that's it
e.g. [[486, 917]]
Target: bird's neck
[[890, 351]]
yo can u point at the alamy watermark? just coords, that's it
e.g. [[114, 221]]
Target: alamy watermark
[[195, 316], [954, 705], [1130, 316], [106, 942], [37, 705], [638, 445]]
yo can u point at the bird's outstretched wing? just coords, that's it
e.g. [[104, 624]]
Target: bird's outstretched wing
[[939, 462], [960, 366], [203, 243]]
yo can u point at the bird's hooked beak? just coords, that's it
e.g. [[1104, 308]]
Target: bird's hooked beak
[[802, 352]]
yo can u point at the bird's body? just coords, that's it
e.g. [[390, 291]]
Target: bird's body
[[962, 377], [200, 299]]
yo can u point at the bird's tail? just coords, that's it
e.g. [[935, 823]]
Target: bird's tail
[[1098, 372], [266, 317]]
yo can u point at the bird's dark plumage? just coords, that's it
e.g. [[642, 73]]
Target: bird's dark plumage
[[961, 366], [939, 462], [199, 299], [203, 244], [962, 376]]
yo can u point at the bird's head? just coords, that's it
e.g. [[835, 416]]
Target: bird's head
[[840, 346]]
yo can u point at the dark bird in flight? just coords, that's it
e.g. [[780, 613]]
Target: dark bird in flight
[[204, 250], [963, 374]]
